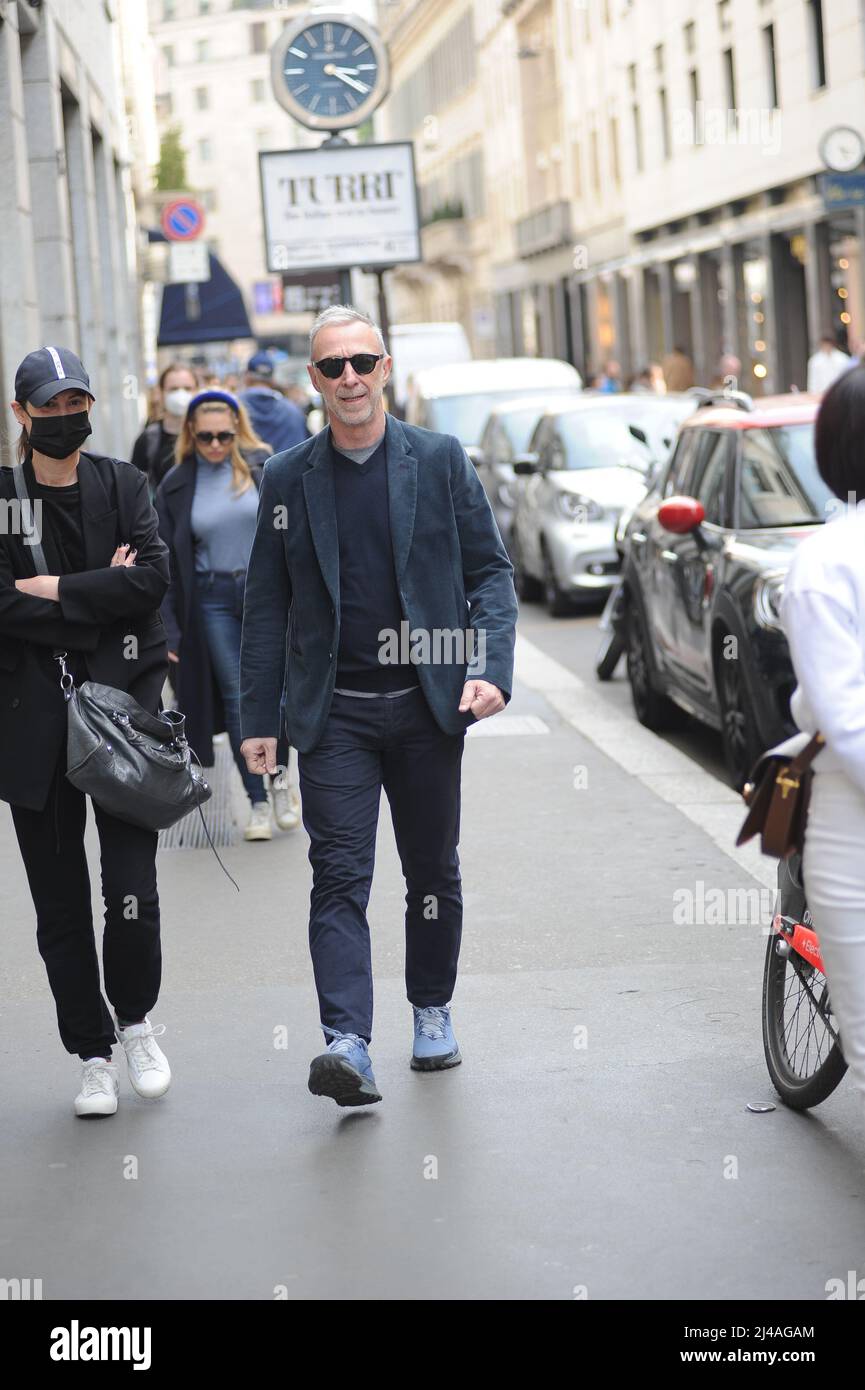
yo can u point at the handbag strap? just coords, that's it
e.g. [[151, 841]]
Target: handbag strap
[[36, 543], [803, 761]]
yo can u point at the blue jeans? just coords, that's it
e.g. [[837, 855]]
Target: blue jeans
[[367, 745], [220, 597]]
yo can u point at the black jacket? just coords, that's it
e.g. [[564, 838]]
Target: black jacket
[[99, 611], [192, 677]]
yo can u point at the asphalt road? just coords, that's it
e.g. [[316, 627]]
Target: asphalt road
[[594, 1143]]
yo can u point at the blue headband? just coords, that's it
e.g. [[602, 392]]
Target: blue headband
[[222, 397]]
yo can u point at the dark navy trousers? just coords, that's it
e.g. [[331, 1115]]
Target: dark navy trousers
[[368, 744]]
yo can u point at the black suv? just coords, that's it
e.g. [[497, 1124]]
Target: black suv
[[706, 552]]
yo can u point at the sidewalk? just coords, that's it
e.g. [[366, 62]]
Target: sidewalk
[[552, 1160]]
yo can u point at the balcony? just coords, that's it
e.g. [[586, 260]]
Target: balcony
[[544, 230], [445, 240]]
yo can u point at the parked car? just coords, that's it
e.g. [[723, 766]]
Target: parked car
[[417, 346], [505, 437], [706, 551], [585, 464], [458, 400]]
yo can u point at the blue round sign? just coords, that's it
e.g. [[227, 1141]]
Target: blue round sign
[[182, 219]]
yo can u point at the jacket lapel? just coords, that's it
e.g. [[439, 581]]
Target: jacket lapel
[[318, 491], [402, 492], [98, 517]]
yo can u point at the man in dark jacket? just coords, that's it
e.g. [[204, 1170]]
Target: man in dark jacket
[[379, 573], [280, 423]]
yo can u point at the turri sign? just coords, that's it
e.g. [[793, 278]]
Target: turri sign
[[352, 205]]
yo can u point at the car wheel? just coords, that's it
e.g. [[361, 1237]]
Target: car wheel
[[529, 589], [742, 745], [653, 710], [559, 604]]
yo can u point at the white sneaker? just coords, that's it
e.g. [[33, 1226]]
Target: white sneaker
[[258, 827], [98, 1094], [286, 802], [149, 1072]]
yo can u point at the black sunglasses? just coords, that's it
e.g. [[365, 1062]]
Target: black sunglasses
[[362, 362], [207, 436]]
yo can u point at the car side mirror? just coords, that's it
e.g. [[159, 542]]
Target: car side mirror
[[525, 464], [681, 515]]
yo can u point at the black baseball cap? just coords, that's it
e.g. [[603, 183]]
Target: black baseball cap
[[46, 372]]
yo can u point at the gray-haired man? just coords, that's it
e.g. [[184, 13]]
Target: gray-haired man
[[368, 532]]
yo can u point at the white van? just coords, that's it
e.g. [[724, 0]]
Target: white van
[[415, 346], [459, 400]]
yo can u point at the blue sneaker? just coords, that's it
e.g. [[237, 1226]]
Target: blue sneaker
[[435, 1046], [344, 1071]]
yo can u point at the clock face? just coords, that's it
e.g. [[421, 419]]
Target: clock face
[[329, 70], [842, 149]]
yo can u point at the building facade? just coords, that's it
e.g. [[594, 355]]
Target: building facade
[[645, 176], [730, 245], [67, 244]]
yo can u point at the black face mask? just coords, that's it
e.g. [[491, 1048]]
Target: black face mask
[[58, 436]]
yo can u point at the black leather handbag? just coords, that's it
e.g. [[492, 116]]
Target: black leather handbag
[[136, 766]]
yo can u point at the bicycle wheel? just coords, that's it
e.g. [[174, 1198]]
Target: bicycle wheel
[[800, 1035]]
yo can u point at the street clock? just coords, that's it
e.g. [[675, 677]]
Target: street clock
[[329, 69], [842, 149]]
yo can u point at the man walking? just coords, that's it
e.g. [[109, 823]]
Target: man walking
[[378, 575]]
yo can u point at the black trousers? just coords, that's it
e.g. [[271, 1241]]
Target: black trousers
[[52, 847], [368, 745]]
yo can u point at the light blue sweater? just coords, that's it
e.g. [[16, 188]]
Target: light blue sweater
[[223, 523]]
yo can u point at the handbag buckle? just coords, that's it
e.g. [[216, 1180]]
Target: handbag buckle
[[787, 784]]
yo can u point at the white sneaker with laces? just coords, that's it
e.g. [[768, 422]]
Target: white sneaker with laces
[[98, 1094], [259, 827], [149, 1072], [286, 802]]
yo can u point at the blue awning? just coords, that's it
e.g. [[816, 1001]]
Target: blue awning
[[210, 312]]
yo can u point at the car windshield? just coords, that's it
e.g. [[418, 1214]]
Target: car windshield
[[595, 439], [518, 426], [657, 417], [465, 416], [779, 484]]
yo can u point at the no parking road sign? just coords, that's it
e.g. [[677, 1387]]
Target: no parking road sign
[[182, 219]]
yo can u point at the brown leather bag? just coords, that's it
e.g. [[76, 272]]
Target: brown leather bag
[[778, 794]]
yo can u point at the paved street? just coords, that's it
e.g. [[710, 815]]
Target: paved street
[[595, 1139]]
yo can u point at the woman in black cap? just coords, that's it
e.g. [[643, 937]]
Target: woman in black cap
[[207, 508], [108, 572]]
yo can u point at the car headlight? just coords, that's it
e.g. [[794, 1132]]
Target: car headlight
[[507, 494], [768, 592], [577, 508]]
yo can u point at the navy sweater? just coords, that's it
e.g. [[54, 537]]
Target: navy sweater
[[368, 595]]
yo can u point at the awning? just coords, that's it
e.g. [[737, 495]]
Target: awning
[[210, 312]]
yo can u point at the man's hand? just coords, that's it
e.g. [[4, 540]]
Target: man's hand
[[260, 755], [482, 698], [40, 586]]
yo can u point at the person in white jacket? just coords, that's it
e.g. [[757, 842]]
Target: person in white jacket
[[826, 364], [823, 614]]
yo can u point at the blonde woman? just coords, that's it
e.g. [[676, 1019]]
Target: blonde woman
[[207, 506]]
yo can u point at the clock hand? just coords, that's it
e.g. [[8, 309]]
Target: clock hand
[[333, 71]]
